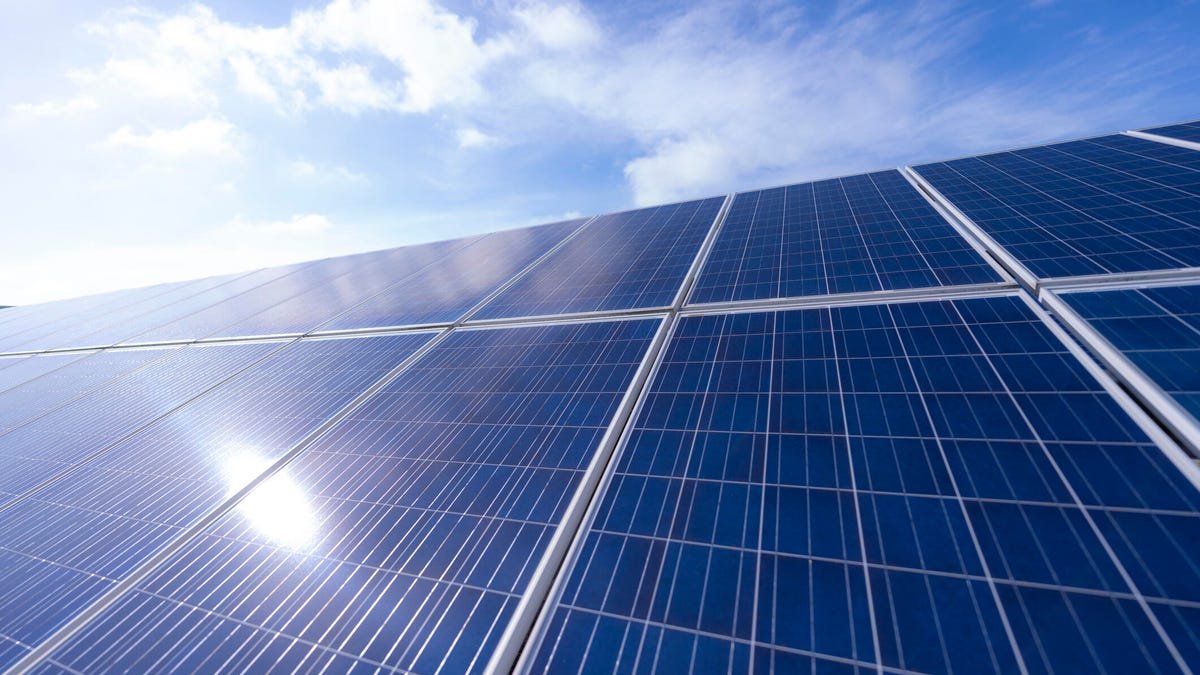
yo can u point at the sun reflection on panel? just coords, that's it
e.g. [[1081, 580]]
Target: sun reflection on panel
[[277, 508]]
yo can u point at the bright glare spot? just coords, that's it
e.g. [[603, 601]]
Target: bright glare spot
[[277, 508]]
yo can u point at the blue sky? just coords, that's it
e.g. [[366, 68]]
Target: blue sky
[[170, 140]]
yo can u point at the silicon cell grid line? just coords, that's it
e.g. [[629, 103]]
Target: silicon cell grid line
[[859, 233], [935, 487], [620, 261], [444, 292], [1188, 131], [1157, 328], [1103, 205], [429, 508], [64, 544]]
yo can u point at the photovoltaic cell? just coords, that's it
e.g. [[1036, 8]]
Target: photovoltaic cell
[[301, 299], [94, 328], [421, 518], [443, 292], [636, 259], [1108, 204], [41, 324], [68, 542], [45, 382], [95, 333], [1157, 328], [861, 233], [377, 275], [1188, 131], [893, 485]]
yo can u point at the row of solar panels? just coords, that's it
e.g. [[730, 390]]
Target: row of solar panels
[[927, 485], [932, 486], [1114, 204]]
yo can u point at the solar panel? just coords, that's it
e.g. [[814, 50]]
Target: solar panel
[[935, 487], [860, 233], [1102, 205], [279, 306], [123, 504], [631, 260], [1158, 329], [77, 330], [42, 324], [378, 275], [47, 381], [106, 332], [423, 515], [444, 292], [1188, 131]]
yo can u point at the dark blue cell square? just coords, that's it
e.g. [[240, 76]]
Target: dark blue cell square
[[886, 415], [1181, 623], [936, 624], [808, 414], [908, 465], [618, 574], [808, 460], [1011, 470], [976, 416], [701, 586], [1132, 476], [815, 606], [1060, 631], [816, 522], [924, 533], [1043, 544], [1160, 551]]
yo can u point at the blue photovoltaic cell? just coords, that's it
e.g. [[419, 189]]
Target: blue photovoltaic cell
[[41, 323], [376, 275], [1188, 131], [65, 544], [1109, 204], [1157, 328], [298, 301], [636, 259], [862, 233], [130, 324], [405, 536], [814, 490], [87, 329], [444, 292], [47, 381]]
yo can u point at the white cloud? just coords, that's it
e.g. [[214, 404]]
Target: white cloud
[[209, 137], [351, 55], [470, 137], [299, 225], [76, 105], [307, 171], [559, 27]]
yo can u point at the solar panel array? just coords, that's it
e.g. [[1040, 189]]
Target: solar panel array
[[919, 420]]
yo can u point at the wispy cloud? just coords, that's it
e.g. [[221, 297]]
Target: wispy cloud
[[207, 138], [304, 170], [74, 106], [470, 137]]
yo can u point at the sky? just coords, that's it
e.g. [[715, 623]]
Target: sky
[[159, 141]]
